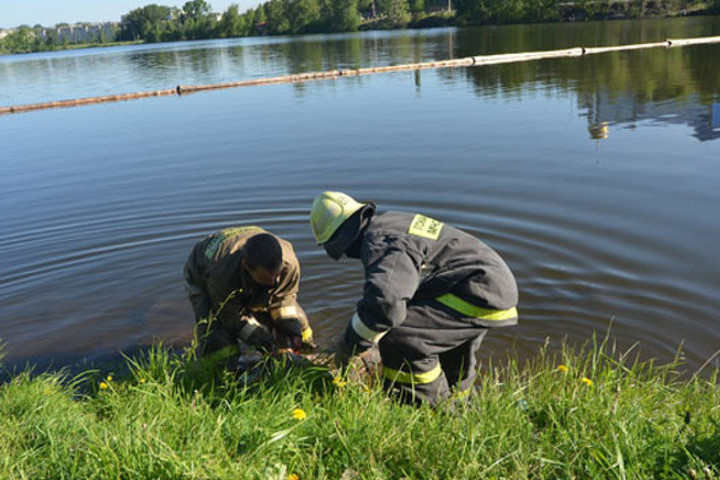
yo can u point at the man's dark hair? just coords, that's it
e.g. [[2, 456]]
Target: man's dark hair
[[263, 250]]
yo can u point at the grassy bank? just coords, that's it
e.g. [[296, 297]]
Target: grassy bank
[[587, 414], [76, 46]]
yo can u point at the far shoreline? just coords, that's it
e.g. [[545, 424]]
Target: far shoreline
[[441, 19]]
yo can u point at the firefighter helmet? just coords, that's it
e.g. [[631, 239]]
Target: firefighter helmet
[[329, 211]]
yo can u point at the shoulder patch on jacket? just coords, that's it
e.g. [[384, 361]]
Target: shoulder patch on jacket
[[426, 227], [223, 235]]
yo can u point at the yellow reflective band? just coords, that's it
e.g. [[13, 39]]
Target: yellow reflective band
[[222, 354], [250, 326], [290, 311], [364, 331], [426, 227], [470, 310], [307, 334], [412, 378]]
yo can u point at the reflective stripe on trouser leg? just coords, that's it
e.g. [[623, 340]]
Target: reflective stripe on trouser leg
[[415, 387], [217, 345], [413, 378]]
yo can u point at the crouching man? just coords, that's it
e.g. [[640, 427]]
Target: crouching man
[[431, 293], [243, 284]]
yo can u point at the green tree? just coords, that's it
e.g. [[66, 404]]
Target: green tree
[[344, 16], [277, 19], [140, 23], [249, 22], [397, 12], [368, 8], [418, 10], [51, 38], [231, 24], [302, 14], [260, 14], [195, 9]]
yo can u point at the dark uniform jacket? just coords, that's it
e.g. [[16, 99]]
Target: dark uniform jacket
[[214, 275], [413, 258]]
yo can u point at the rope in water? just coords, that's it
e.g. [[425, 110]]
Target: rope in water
[[333, 74]]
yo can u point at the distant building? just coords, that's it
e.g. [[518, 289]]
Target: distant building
[[86, 33]]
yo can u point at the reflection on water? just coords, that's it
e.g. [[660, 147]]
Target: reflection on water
[[604, 112]]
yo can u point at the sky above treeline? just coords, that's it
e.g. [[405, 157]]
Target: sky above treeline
[[47, 13]]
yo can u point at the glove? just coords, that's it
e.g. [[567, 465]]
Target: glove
[[343, 354], [289, 326], [260, 337]]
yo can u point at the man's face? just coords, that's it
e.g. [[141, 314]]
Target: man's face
[[265, 277]]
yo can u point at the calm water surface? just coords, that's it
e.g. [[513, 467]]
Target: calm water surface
[[596, 178]]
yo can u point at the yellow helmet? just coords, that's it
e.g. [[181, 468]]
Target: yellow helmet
[[329, 211]]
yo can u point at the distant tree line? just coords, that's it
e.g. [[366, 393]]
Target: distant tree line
[[195, 20], [156, 23], [477, 12]]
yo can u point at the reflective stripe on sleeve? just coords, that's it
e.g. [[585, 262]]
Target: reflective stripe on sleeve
[[470, 310], [289, 311], [412, 378], [250, 326], [364, 331]]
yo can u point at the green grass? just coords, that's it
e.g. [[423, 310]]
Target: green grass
[[168, 418], [75, 46]]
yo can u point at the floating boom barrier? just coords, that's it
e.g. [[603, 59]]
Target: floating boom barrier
[[333, 74]]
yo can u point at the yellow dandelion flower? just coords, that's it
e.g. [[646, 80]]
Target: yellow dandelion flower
[[299, 414], [563, 368], [338, 382], [103, 386], [142, 380], [109, 378], [587, 381], [293, 476]]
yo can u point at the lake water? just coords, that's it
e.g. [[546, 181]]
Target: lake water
[[596, 178]]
